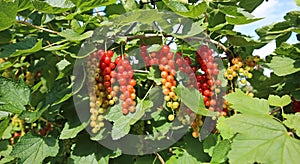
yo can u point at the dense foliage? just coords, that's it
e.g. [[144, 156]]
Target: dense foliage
[[44, 46]]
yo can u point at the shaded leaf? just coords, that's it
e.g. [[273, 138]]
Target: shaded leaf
[[25, 47], [250, 5]]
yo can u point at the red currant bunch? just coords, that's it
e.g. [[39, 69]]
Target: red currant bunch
[[99, 68], [124, 75]]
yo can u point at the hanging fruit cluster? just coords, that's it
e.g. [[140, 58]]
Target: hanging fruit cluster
[[106, 80], [99, 66], [207, 71], [124, 75], [165, 60], [242, 70]]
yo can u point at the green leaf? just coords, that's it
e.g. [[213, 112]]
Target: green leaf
[[293, 122], [181, 156], [7, 14], [237, 16], [241, 102], [71, 131], [220, 151], [258, 138], [25, 47], [196, 103], [250, 5], [209, 144], [13, 95], [23, 5], [73, 36], [122, 123], [33, 149], [279, 101], [225, 130], [5, 36], [52, 6], [283, 66], [240, 40], [154, 75], [192, 11], [3, 125]]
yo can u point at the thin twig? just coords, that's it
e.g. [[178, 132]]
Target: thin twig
[[140, 71], [160, 158], [38, 27], [218, 44]]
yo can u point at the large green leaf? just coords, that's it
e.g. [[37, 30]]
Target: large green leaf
[[25, 47], [293, 122], [7, 14], [122, 123], [283, 66], [52, 6], [186, 10], [196, 103], [13, 95], [33, 149], [260, 138], [246, 104]]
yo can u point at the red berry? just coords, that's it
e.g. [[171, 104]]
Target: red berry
[[143, 47], [107, 71], [132, 82], [165, 49], [207, 92], [118, 59], [122, 81], [296, 106], [110, 53], [120, 69], [16, 134], [112, 65]]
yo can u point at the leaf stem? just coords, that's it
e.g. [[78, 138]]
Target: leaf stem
[[160, 158], [148, 92], [38, 27]]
